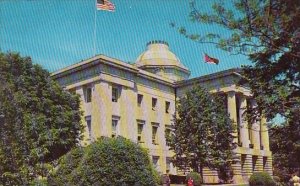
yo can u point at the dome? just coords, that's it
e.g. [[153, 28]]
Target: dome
[[158, 54], [158, 59]]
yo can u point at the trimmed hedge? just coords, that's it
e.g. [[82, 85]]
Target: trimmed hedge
[[196, 177], [261, 179], [108, 161]]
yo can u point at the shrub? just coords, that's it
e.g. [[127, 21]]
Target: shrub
[[108, 161], [196, 177], [276, 179], [261, 179], [225, 174]]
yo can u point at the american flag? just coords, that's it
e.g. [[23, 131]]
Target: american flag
[[105, 5]]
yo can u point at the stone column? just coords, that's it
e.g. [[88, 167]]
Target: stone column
[[237, 169], [210, 176], [255, 129], [268, 165], [264, 134], [243, 121], [231, 105], [259, 164], [236, 164], [247, 167]]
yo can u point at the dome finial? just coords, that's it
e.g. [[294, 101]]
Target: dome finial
[[157, 42]]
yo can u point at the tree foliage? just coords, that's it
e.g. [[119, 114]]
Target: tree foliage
[[202, 131], [108, 161], [284, 143], [268, 32], [261, 178], [39, 121]]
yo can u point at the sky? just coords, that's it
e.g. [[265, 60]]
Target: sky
[[59, 33]]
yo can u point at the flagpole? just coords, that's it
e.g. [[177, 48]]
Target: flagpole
[[95, 25]]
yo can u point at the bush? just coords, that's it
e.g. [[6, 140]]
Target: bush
[[196, 177], [283, 173], [261, 179], [225, 174], [276, 179], [108, 161]]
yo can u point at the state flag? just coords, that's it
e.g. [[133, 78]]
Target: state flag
[[211, 60]]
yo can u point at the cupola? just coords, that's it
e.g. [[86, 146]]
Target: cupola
[[158, 59]]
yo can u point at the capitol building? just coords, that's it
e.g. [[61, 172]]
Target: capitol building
[[137, 101]]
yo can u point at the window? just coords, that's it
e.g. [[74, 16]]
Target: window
[[238, 120], [154, 133], [167, 133], [155, 161], [167, 107], [243, 161], [154, 103], [88, 95], [89, 126], [115, 126], [168, 164], [114, 94], [140, 125], [254, 160], [250, 136], [265, 162], [139, 99]]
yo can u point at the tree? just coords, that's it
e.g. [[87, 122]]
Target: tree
[[268, 32], [202, 132], [284, 143], [39, 121], [108, 161]]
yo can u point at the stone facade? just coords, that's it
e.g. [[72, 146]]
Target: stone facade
[[137, 101]]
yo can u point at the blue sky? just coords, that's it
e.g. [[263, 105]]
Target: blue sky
[[58, 33]]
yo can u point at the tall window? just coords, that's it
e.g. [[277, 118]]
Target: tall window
[[238, 120], [140, 136], [251, 145], [154, 133], [154, 103], [155, 161], [250, 121], [139, 99], [243, 161], [260, 138], [88, 121], [115, 126], [254, 160], [167, 132], [265, 162], [167, 107], [88, 95], [168, 164], [114, 94]]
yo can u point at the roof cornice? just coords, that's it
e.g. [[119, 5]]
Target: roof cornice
[[233, 71], [102, 59]]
